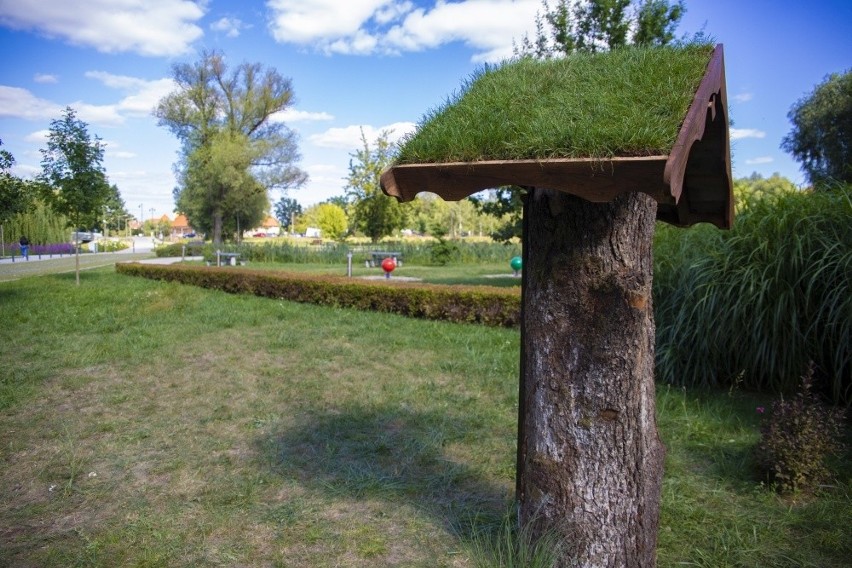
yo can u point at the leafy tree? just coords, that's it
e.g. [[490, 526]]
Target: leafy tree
[[329, 218], [115, 211], [73, 181], [234, 150], [756, 187], [14, 194], [286, 210], [375, 214], [821, 138], [598, 25]]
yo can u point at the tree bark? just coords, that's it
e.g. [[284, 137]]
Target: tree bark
[[590, 461]]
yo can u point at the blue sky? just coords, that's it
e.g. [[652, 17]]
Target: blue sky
[[354, 64]]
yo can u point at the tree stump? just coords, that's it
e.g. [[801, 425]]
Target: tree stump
[[590, 461]]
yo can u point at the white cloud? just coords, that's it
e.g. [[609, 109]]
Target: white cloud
[[230, 26], [293, 115], [147, 27], [121, 155], [20, 103], [143, 95], [387, 26], [742, 97], [349, 137], [760, 160], [45, 78], [39, 136], [308, 21], [740, 133]]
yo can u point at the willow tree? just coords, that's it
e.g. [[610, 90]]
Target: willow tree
[[217, 112], [73, 181]]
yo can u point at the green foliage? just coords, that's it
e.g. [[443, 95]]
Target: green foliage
[[329, 218], [286, 210], [586, 105], [489, 306], [414, 252], [753, 305], [40, 224], [505, 204], [107, 245], [232, 152], [821, 138], [508, 546], [443, 252], [191, 248], [14, 192], [797, 438], [375, 214], [756, 187], [73, 179], [599, 25], [656, 21]]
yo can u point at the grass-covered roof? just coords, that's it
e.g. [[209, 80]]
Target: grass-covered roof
[[621, 103]]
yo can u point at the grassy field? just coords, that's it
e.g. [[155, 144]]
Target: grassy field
[[153, 424]]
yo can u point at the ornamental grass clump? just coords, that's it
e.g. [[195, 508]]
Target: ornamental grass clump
[[796, 440]]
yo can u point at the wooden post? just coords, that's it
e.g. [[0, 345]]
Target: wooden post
[[590, 461]]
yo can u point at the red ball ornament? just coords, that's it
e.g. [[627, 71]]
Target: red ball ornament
[[388, 265]]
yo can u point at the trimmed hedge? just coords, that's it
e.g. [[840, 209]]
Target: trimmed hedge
[[464, 304]]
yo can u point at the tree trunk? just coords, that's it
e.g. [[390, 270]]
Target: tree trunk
[[590, 461], [217, 228]]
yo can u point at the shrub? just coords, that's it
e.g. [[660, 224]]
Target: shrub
[[442, 252], [796, 439], [477, 304], [756, 303], [192, 248]]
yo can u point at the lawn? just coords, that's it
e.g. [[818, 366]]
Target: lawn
[[154, 424]]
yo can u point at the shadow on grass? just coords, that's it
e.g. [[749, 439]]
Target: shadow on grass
[[392, 454]]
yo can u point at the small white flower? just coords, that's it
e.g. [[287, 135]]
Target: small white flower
[[51, 488], [92, 474]]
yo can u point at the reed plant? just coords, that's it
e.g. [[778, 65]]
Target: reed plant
[[754, 305]]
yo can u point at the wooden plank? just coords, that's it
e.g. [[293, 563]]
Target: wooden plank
[[595, 180]]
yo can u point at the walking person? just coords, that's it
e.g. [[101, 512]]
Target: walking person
[[25, 247]]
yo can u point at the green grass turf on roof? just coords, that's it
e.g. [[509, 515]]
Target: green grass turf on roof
[[625, 102]]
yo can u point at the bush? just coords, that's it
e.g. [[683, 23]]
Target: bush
[[479, 304], [192, 248], [756, 303], [109, 246], [796, 439]]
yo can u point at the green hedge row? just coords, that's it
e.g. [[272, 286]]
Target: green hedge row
[[489, 306]]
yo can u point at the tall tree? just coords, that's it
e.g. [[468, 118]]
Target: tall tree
[[328, 218], [73, 181], [222, 114], [821, 138], [115, 211], [286, 210], [14, 196], [374, 214]]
